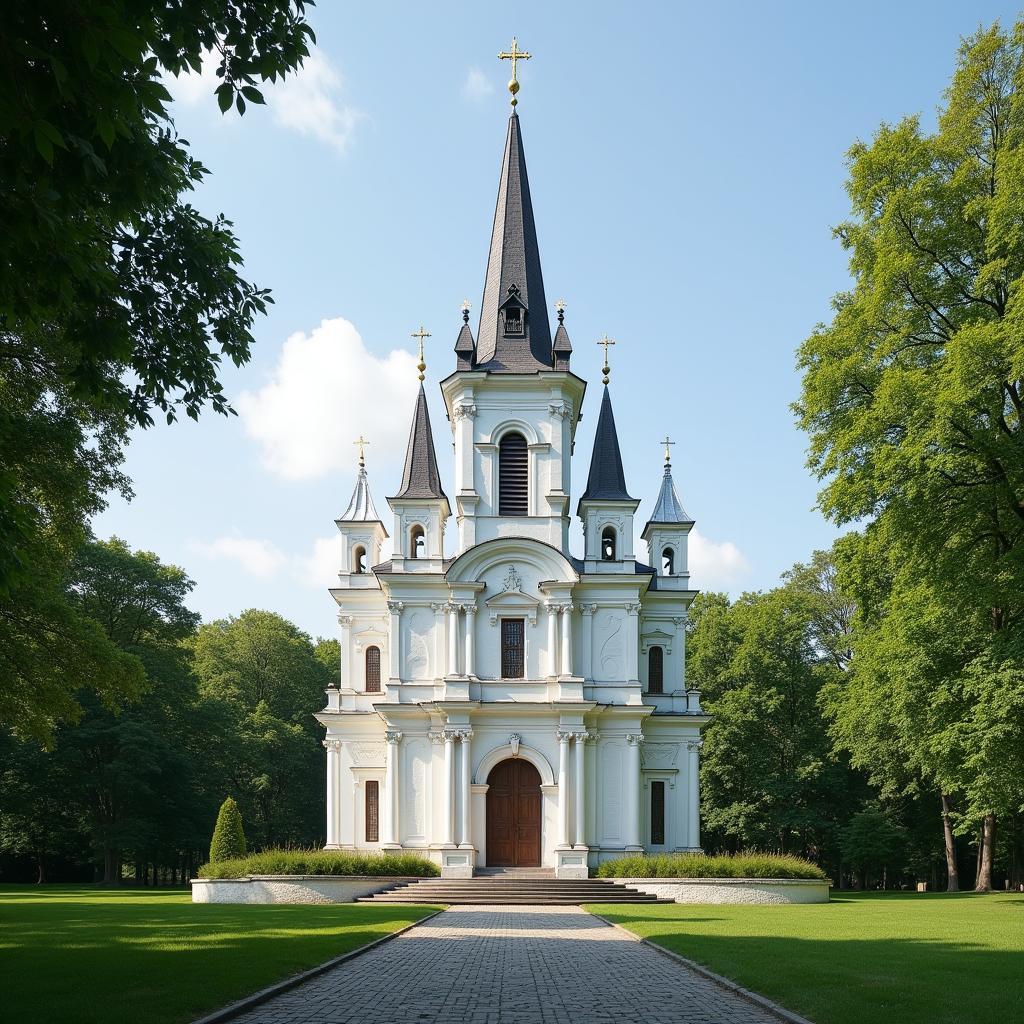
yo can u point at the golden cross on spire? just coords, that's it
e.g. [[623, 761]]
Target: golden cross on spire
[[667, 443], [362, 442], [513, 55], [421, 334], [606, 369]]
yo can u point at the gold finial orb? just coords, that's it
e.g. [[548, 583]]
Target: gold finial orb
[[606, 369], [513, 86]]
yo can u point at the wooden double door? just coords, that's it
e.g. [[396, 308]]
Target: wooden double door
[[513, 815]]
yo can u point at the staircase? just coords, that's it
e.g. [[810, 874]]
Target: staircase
[[522, 886]]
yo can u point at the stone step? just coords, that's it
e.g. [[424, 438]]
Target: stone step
[[483, 890], [529, 901]]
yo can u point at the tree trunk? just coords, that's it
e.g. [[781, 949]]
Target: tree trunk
[[953, 883], [40, 869], [987, 851], [111, 866]]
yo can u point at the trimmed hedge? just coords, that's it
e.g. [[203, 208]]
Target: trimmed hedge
[[228, 841], [320, 862], [698, 865]]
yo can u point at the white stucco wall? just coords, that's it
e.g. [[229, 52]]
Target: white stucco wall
[[288, 888], [732, 890]]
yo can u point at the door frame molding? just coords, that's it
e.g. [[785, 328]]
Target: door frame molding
[[505, 752]]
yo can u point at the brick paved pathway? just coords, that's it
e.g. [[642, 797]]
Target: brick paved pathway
[[509, 965]]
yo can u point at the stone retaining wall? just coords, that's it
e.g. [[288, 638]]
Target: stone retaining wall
[[290, 888], [733, 890]]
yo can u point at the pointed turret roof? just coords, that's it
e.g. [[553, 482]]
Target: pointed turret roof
[[562, 348], [420, 478], [607, 481], [513, 274], [668, 508], [361, 508]]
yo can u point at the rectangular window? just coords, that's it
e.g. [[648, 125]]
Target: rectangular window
[[656, 670], [373, 811], [513, 648], [657, 814]]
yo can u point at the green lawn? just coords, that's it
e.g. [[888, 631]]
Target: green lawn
[[860, 959], [83, 955]]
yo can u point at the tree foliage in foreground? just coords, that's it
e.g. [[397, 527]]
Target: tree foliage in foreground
[[119, 301], [913, 398]]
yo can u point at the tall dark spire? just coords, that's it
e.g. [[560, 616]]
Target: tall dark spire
[[607, 481], [514, 334], [420, 478]]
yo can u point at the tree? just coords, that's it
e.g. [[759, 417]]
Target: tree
[[118, 300], [913, 395], [262, 679], [228, 835], [871, 842], [767, 777]]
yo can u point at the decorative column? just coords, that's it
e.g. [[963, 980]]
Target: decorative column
[[436, 738], [395, 640], [633, 742], [333, 794], [587, 613], [566, 639], [563, 788], [580, 743], [440, 665], [693, 769], [552, 638], [453, 638], [448, 831], [389, 819], [470, 610], [345, 666], [633, 642], [466, 735]]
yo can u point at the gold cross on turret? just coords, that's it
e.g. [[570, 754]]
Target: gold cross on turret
[[362, 442], [421, 334], [667, 443], [513, 55], [606, 369]]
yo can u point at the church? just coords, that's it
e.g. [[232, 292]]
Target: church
[[508, 703]]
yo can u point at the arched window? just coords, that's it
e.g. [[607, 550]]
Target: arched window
[[513, 476], [668, 562], [417, 542], [608, 544], [655, 670], [359, 560], [373, 670]]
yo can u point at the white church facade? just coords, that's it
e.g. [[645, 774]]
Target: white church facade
[[508, 703]]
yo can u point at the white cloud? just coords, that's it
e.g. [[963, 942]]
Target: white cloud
[[715, 565], [325, 391], [320, 568], [309, 101], [477, 85], [257, 557]]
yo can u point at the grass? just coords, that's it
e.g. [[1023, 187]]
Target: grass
[[862, 958], [82, 955], [697, 865], [320, 862]]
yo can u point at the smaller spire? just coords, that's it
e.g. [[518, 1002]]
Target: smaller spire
[[606, 369], [465, 346], [561, 348], [668, 509], [420, 476], [421, 334], [607, 480], [360, 507]]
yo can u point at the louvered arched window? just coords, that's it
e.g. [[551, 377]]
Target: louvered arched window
[[373, 670], [513, 476], [655, 670]]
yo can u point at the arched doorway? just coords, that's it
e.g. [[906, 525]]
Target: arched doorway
[[513, 815]]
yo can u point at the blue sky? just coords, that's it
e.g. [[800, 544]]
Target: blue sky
[[687, 166]]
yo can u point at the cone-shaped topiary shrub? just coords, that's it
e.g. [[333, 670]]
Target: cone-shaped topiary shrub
[[228, 836]]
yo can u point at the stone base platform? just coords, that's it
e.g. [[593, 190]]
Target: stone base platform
[[732, 890]]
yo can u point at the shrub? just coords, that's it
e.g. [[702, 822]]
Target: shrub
[[320, 862], [228, 835], [698, 865]]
